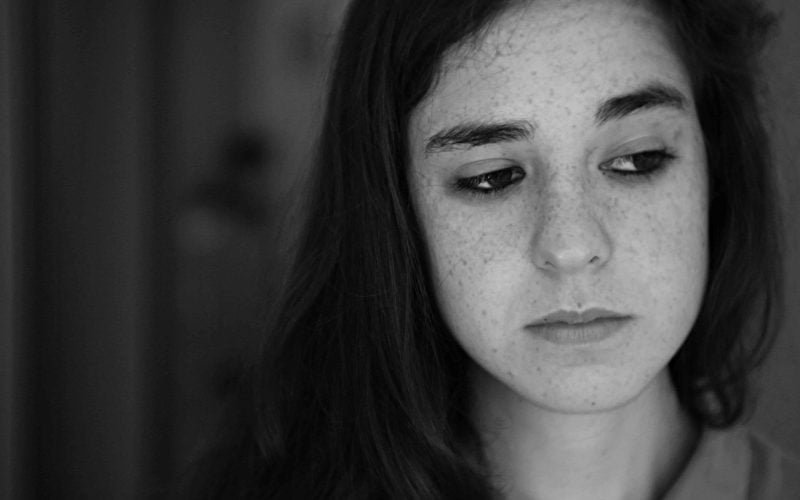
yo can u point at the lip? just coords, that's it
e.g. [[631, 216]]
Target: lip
[[579, 327], [578, 317]]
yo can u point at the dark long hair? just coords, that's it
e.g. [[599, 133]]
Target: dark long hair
[[360, 392]]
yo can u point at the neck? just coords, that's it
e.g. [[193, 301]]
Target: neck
[[631, 452]]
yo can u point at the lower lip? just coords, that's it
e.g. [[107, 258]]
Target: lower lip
[[582, 333]]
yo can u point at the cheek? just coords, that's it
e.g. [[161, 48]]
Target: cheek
[[666, 246], [481, 271], [472, 258]]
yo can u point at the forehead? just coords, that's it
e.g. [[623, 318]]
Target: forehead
[[549, 57]]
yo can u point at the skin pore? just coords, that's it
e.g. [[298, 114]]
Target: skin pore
[[558, 167]]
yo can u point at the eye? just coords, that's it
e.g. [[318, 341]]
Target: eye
[[646, 162], [491, 182]]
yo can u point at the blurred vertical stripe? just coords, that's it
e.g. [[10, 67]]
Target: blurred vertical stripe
[[89, 260], [15, 135]]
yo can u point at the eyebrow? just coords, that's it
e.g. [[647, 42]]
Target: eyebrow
[[474, 134], [649, 96]]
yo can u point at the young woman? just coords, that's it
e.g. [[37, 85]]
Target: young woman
[[540, 261]]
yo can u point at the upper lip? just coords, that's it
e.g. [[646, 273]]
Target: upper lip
[[578, 317]]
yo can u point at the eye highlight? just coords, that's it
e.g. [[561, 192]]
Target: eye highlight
[[643, 163], [491, 182]]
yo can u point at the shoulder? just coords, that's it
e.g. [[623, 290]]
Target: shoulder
[[738, 464], [774, 473]]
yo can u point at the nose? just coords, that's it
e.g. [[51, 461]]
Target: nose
[[570, 236]]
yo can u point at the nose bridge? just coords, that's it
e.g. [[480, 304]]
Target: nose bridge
[[570, 235]]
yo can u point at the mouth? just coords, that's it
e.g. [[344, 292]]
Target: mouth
[[579, 327]]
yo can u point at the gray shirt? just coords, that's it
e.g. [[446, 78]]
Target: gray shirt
[[737, 464]]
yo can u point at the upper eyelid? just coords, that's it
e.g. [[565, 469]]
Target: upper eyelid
[[486, 166], [495, 170], [664, 150], [648, 142], [636, 145]]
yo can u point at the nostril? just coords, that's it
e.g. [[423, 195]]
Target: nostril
[[568, 261], [577, 245]]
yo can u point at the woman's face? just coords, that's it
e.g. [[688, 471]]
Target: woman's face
[[559, 175]]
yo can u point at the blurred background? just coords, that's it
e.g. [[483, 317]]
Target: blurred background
[[148, 152]]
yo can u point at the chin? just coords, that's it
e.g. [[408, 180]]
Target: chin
[[588, 390]]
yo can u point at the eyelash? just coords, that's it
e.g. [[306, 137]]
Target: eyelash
[[660, 158], [470, 184]]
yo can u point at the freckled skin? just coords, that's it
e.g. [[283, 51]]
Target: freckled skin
[[568, 235]]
